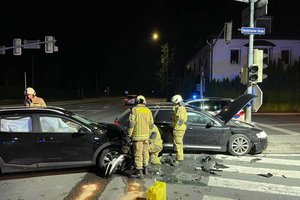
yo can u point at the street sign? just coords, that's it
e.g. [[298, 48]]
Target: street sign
[[260, 10], [31, 44], [255, 31], [257, 102]]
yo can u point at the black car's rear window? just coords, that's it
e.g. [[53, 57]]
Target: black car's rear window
[[163, 116]]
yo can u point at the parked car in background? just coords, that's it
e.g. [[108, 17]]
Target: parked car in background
[[51, 138], [206, 132], [130, 99], [214, 105]]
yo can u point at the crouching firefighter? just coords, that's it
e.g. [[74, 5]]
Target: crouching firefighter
[[155, 146], [140, 125]]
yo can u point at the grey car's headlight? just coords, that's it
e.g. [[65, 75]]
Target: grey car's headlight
[[261, 134]]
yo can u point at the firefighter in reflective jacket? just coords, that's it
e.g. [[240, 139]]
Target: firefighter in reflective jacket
[[140, 125], [155, 146], [31, 100], [178, 122]]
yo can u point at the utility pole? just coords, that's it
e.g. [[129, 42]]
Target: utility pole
[[250, 58]]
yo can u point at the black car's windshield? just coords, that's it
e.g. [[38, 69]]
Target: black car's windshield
[[86, 121]]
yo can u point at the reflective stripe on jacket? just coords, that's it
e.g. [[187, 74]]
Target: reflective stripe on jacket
[[179, 118], [140, 123]]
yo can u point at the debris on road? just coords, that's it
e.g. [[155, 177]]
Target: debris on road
[[268, 175], [254, 160], [206, 159], [208, 170], [283, 176], [218, 166]]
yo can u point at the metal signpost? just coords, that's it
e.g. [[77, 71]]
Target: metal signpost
[[257, 9]]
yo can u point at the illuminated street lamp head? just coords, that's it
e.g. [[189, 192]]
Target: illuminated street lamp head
[[155, 36]]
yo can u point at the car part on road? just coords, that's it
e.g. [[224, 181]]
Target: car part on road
[[217, 166], [113, 165], [268, 175], [206, 159], [254, 160]]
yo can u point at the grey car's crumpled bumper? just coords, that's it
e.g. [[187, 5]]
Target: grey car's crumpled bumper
[[260, 146]]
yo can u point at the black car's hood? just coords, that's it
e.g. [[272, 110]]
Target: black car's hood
[[234, 107]]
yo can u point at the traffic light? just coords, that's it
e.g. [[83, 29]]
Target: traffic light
[[244, 75], [2, 50], [17, 47], [49, 44], [228, 32], [258, 59], [253, 73]]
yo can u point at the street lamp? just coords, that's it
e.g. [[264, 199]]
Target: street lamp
[[155, 36]]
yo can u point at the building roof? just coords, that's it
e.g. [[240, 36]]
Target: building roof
[[261, 43]]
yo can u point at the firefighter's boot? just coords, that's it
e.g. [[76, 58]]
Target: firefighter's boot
[[139, 173], [145, 170]]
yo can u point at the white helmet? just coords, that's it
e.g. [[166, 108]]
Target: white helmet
[[176, 98], [140, 99], [30, 90]]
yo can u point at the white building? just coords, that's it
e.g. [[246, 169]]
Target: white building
[[226, 60]]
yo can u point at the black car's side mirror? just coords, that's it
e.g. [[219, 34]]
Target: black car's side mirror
[[83, 130], [210, 124]]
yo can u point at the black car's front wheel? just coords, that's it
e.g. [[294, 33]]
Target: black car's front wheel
[[108, 155], [239, 145]]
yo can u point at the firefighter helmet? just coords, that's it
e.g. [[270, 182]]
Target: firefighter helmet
[[30, 90], [140, 99], [176, 98]]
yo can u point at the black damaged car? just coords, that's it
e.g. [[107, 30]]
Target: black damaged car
[[206, 132], [52, 138]]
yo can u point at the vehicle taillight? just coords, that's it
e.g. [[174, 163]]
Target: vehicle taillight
[[116, 123]]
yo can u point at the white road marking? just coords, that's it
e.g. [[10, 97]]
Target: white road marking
[[254, 186], [258, 170], [210, 197], [278, 155], [278, 129], [263, 160]]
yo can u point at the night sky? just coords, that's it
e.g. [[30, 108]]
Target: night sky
[[109, 44]]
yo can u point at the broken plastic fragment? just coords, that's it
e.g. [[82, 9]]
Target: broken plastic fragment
[[206, 159], [217, 166], [254, 160], [268, 175]]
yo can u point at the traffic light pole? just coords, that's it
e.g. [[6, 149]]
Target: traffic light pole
[[250, 59]]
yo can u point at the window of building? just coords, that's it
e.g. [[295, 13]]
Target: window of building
[[235, 57], [285, 56]]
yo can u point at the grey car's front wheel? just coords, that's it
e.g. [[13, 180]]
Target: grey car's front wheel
[[239, 145]]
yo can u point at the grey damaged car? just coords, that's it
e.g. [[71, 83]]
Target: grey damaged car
[[206, 132]]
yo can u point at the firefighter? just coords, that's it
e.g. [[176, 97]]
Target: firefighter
[[155, 146], [178, 123], [31, 100], [140, 125]]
